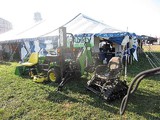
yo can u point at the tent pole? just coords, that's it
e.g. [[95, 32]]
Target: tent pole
[[125, 69]]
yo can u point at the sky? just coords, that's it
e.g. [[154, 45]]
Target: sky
[[139, 16]]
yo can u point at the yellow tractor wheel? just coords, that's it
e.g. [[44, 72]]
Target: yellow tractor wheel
[[54, 75]]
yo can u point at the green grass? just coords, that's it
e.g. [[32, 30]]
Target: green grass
[[22, 99]]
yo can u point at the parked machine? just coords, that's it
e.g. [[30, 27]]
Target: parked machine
[[106, 80]]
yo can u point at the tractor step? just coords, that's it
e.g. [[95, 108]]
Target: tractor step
[[93, 90], [44, 64], [45, 70]]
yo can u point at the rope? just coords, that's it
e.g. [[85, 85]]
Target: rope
[[150, 61], [154, 57], [58, 27], [31, 27]]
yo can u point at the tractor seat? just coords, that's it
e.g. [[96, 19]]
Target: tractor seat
[[33, 60], [111, 71]]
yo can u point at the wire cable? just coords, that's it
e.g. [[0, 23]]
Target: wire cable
[[58, 27]]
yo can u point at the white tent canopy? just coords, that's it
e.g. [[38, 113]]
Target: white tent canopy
[[79, 24], [84, 24]]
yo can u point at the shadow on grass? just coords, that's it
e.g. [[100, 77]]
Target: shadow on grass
[[60, 97], [78, 87]]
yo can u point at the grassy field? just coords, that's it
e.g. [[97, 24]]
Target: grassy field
[[153, 48], [22, 99]]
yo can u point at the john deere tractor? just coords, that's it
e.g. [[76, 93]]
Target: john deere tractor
[[61, 65]]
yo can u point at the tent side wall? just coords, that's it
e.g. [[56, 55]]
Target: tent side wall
[[10, 51]]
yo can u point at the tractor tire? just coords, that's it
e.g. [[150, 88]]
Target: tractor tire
[[53, 75]]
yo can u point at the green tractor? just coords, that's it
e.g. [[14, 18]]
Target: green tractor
[[61, 65]]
